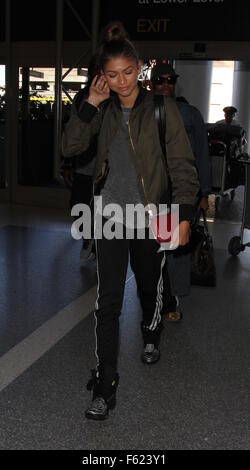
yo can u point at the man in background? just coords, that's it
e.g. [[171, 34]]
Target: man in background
[[177, 280], [229, 114]]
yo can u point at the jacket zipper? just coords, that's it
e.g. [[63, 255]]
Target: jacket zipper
[[142, 179]]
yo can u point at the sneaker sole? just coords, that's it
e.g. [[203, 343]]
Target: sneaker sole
[[96, 417], [150, 362]]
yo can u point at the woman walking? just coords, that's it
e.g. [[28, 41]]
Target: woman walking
[[129, 170]]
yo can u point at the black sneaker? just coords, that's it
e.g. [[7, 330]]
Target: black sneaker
[[104, 397], [99, 408], [151, 339], [151, 354]]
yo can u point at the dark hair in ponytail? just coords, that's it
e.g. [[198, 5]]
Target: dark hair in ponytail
[[115, 43]]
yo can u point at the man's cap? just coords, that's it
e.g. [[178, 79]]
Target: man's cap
[[230, 110], [162, 69]]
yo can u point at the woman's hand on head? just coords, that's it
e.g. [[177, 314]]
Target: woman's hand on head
[[99, 90]]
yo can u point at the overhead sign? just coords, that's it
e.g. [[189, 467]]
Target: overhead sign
[[153, 20], [198, 20]]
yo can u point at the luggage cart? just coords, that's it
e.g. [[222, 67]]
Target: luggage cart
[[236, 244], [225, 148], [218, 154]]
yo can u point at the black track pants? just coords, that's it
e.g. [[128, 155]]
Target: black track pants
[[112, 263]]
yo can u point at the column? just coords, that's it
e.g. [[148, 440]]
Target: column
[[241, 95], [194, 83]]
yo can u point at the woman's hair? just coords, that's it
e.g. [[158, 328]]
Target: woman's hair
[[115, 43], [93, 68], [113, 30]]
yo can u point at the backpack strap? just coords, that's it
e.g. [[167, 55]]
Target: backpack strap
[[160, 117]]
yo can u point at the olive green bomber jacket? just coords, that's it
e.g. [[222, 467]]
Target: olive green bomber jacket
[[143, 137]]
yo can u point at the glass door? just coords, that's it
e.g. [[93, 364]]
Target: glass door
[[35, 182], [3, 160]]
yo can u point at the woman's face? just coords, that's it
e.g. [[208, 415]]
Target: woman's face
[[121, 74]]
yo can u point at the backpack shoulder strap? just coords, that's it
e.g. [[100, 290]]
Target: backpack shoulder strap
[[160, 116]]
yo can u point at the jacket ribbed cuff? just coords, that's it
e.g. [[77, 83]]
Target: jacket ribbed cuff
[[87, 112], [186, 212]]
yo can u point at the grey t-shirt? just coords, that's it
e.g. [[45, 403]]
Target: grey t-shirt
[[121, 186]]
